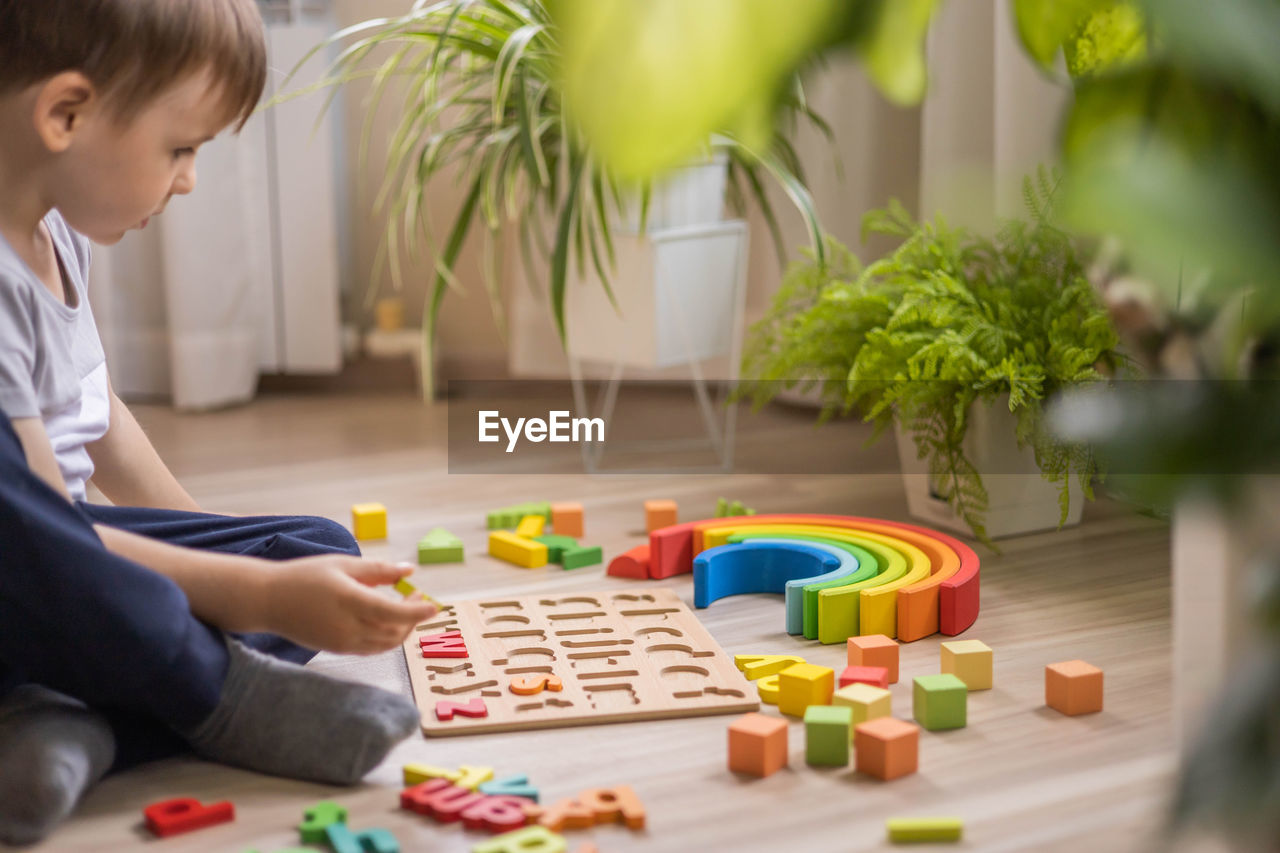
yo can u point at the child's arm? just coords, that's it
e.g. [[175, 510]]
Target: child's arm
[[127, 468], [320, 602]]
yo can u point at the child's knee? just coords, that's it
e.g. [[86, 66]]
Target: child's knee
[[327, 533]]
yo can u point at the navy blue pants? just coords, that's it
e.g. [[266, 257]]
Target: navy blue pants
[[118, 636]]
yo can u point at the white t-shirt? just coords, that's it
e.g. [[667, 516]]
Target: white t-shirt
[[51, 361]]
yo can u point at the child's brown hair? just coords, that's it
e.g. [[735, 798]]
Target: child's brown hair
[[133, 50]]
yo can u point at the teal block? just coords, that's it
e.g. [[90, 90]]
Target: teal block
[[512, 786], [826, 734], [371, 840], [940, 701], [576, 558], [556, 545]]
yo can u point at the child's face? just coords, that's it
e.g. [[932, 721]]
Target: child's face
[[115, 176]]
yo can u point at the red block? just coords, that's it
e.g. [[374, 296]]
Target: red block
[[876, 676], [447, 645], [473, 708], [497, 813], [184, 814], [632, 564]]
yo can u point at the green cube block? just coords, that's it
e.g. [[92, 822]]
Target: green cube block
[[940, 701], [826, 734], [576, 558], [556, 545], [439, 546]]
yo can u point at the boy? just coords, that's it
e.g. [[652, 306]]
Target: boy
[[127, 633]]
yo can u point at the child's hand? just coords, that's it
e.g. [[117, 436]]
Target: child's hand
[[325, 603]]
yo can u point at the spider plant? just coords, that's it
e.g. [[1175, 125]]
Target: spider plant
[[480, 100]]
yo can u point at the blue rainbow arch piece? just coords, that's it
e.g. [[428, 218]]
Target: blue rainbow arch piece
[[769, 565]]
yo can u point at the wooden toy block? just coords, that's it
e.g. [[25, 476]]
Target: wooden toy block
[[758, 666], [446, 645], [371, 840], [617, 804], [556, 545], [757, 744], [496, 814], [473, 708], [530, 526], [939, 701], [517, 550], [566, 519], [588, 847], [866, 702], [660, 513], [876, 676], [439, 799], [185, 814], [767, 687], [875, 650], [533, 685], [576, 558], [472, 777], [725, 508], [886, 748], [416, 774], [405, 588], [563, 814], [827, 733], [531, 839], [1073, 687], [917, 830], [369, 521], [317, 817], [802, 685], [970, 661], [620, 655], [632, 564], [439, 546], [511, 786]]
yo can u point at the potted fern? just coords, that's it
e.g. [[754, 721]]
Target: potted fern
[[481, 101], [957, 340]]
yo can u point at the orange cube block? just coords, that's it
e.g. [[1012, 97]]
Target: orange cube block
[[875, 650], [1073, 687], [566, 519], [887, 747], [659, 514], [757, 744]]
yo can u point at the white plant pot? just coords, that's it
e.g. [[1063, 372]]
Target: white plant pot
[[690, 195], [680, 297], [1020, 499]]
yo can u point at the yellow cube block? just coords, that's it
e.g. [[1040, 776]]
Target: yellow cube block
[[523, 552], [369, 521], [803, 685], [970, 661], [531, 526], [866, 700]]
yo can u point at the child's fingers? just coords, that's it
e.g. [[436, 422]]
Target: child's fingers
[[379, 610], [377, 572]]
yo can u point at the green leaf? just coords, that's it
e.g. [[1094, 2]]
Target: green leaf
[[560, 257], [892, 45], [457, 236], [1045, 25]]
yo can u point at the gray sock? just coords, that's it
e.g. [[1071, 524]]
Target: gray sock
[[52, 750], [279, 718]]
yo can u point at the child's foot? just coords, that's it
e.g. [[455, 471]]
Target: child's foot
[[278, 718], [52, 750]]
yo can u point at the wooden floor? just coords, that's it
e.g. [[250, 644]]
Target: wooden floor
[[1022, 777]]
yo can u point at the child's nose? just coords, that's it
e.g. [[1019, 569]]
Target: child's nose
[[185, 182]]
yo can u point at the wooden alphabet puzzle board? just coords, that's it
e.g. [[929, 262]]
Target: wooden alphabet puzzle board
[[617, 655]]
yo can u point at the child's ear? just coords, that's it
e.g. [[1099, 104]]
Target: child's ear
[[60, 108]]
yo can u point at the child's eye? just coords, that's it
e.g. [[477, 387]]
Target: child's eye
[[182, 152]]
